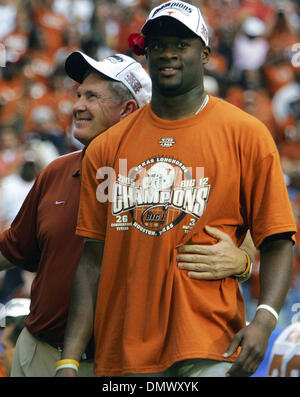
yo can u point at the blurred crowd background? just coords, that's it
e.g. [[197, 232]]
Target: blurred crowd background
[[255, 65]]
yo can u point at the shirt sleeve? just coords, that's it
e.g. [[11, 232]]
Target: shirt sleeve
[[19, 243], [267, 202], [94, 194]]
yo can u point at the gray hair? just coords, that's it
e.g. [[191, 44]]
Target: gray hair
[[120, 92]]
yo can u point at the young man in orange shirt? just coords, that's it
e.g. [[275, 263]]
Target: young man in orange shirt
[[193, 160], [42, 237]]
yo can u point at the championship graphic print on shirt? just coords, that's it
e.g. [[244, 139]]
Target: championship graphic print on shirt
[[158, 194]]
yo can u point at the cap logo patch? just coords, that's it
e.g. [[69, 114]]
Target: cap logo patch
[[115, 59], [204, 32], [179, 6], [133, 82]]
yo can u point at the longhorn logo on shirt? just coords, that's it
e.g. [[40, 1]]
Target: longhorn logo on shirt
[[158, 194], [167, 142]]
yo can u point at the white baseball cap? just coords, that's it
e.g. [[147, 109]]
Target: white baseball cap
[[253, 26], [118, 67], [15, 307], [188, 14]]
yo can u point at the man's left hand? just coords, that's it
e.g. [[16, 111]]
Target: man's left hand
[[253, 341]]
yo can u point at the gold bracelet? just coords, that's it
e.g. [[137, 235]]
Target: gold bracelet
[[66, 361], [248, 267]]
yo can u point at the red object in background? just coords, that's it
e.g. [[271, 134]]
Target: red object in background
[[137, 43], [259, 9]]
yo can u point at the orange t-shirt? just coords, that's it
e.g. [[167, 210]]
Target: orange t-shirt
[[219, 168]]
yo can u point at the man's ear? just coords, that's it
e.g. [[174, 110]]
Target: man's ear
[[205, 54], [128, 107]]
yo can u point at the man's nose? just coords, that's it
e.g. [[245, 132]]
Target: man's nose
[[169, 51], [79, 105]]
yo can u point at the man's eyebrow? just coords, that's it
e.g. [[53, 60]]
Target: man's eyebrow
[[91, 92], [87, 92]]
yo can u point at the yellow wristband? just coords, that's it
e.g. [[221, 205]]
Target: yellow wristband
[[72, 366], [248, 267], [66, 361]]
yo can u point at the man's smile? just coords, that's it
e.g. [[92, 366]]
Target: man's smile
[[168, 70], [82, 120]]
